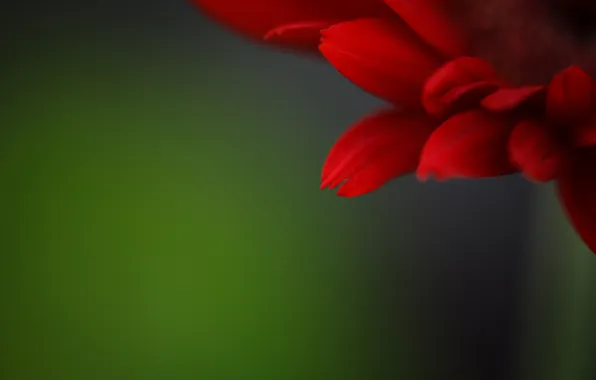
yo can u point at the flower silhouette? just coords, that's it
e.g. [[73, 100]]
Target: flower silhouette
[[452, 114]]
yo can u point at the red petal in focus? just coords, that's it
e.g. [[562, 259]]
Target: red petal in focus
[[508, 99], [307, 34], [472, 91], [376, 150], [464, 97], [429, 19], [577, 187], [471, 144], [454, 75], [256, 18], [535, 149], [383, 56], [569, 96]]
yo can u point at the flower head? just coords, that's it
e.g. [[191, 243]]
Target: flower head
[[458, 108]]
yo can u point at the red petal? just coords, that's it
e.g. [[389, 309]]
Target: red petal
[[256, 18], [507, 99], [569, 96], [460, 72], [307, 34], [584, 134], [376, 150], [472, 91], [382, 56], [428, 18], [471, 144], [535, 149], [464, 97], [577, 187]]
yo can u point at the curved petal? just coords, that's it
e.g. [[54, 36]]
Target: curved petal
[[471, 144], [576, 189], [381, 55], [306, 34], [256, 18], [467, 73], [569, 96], [429, 19], [535, 149], [462, 98], [469, 93], [375, 150], [508, 99]]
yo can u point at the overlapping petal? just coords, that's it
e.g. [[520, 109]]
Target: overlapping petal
[[535, 148], [569, 96], [382, 56], [395, 49], [508, 99], [256, 18], [376, 150], [430, 20], [471, 144], [457, 85], [576, 188]]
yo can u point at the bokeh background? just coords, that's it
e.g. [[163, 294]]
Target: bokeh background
[[161, 219]]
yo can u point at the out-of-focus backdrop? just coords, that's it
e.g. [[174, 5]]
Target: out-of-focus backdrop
[[161, 219]]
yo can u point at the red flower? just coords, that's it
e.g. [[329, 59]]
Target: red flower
[[452, 115], [558, 144]]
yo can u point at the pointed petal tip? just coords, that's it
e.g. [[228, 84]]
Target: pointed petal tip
[[305, 34], [256, 19], [330, 184], [422, 174], [380, 147], [345, 192]]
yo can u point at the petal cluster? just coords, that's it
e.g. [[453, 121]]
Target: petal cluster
[[450, 115]]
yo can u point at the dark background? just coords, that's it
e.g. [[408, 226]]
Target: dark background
[[161, 219]]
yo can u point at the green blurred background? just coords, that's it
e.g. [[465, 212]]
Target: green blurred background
[[161, 219]]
